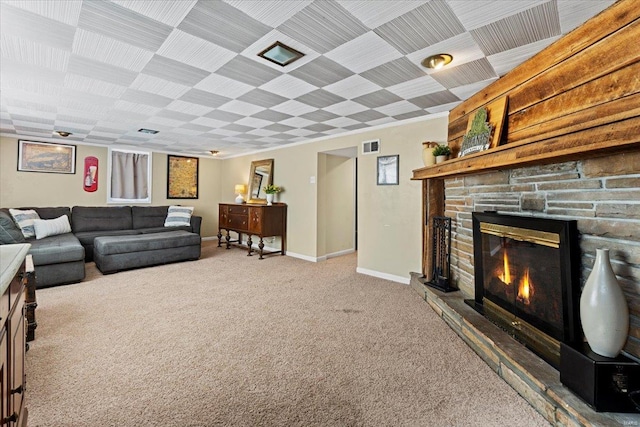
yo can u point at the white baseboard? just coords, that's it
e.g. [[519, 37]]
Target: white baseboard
[[303, 257], [205, 239], [340, 253], [392, 277]]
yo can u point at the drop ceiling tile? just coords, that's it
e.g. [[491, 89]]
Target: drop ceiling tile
[[410, 115], [277, 127], [261, 132], [27, 52], [226, 132], [141, 97], [319, 127], [319, 116], [174, 71], [238, 128], [364, 53], [341, 122], [248, 71], [195, 51], [433, 99], [72, 127], [167, 12], [36, 28], [20, 120], [184, 131], [394, 72], [123, 24], [175, 115], [163, 121], [297, 122], [320, 98], [188, 108], [97, 87], [377, 99], [253, 122], [381, 121], [504, 62], [345, 108], [66, 12], [211, 123], [356, 127], [423, 26], [484, 12], [224, 116], [158, 86], [573, 13], [240, 30], [19, 73], [262, 98], [294, 108], [133, 107], [322, 71], [538, 23], [224, 86], [352, 87], [242, 108], [288, 86], [374, 14], [207, 99], [465, 74], [195, 127], [464, 92], [416, 87], [366, 116], [101, 71], [332, 21], [110, 51], [271, 115], [301, 132], [397, 108], [272, 13]]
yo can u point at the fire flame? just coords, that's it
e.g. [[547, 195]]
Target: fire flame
[[525, 289], [506, 273]]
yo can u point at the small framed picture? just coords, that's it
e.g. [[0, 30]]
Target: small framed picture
[[182, 177], [388, 170], [46, 157]]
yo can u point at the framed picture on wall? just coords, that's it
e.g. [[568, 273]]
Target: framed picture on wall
[[388, 170], [46, 157], [182, 177]]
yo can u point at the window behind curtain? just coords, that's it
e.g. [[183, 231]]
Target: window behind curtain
[[129, 176]]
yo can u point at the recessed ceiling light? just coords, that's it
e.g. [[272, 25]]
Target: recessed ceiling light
[[149, 131], [281, 54], [63, 133], [437, 61]]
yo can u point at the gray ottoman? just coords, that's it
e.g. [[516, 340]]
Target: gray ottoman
[[115, 253]]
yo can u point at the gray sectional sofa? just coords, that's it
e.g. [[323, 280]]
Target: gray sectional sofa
[[60, 259]]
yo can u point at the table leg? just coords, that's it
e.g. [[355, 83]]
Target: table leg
[[228, 238], [261, 245], [219, 238], [249, 243]]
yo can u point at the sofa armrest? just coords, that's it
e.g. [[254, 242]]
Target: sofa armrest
[[196, 223]]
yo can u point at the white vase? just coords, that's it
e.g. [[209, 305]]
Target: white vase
[[603, 309], [440, 159], [427, 153], [270, 199]]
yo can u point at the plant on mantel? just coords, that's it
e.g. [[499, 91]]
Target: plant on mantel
[[441, 150]]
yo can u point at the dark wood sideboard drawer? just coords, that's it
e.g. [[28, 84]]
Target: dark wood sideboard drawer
[[238, 210], [238, 221]]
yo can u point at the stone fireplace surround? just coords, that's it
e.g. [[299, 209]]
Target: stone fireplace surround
[[603, 194]]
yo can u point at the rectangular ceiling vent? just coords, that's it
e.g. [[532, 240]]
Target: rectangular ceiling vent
[[371, 147]]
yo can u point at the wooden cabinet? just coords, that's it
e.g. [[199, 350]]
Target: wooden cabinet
[[253, 220], [13, 335]]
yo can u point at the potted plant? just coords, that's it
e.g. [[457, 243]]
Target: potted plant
[[271, 191], [441, 152]]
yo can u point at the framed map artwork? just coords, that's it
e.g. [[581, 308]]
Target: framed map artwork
[[46, 157], [182, 177]]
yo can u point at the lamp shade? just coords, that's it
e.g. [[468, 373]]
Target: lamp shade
[[240, 188]]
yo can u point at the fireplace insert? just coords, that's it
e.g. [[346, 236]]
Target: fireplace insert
[[527, 279]]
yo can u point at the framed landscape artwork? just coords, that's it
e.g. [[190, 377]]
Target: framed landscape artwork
[[182, 177], [46, 157]]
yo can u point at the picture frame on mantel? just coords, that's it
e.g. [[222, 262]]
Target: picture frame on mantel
[[182, 177], [46, 157], [496, 113]]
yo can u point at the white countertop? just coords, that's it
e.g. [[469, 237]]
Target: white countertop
[[11, 257]]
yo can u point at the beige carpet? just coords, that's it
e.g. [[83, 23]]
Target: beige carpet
[[233, 341]]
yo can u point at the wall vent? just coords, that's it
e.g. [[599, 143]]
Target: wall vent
[[371, 147]]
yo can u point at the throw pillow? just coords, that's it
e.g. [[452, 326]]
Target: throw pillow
[[178, 216], [24, 219], [9, 231], [51, 227]]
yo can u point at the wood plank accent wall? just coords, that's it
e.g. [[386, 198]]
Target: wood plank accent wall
[[578, 98]]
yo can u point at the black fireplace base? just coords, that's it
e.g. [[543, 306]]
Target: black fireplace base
[[440, 283]]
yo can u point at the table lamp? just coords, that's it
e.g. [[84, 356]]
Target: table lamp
[[240, 189]]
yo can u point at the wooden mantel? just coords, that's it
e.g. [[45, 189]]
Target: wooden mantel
[[578, 98]]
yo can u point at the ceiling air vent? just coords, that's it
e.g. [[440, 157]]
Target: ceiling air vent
[[371, 147]]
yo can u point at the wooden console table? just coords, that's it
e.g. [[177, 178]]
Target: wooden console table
[[253, 220]]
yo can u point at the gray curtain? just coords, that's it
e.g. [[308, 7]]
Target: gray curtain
[[129, 174]]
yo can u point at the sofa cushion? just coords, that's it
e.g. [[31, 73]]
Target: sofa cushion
[[148, 216], [86, 237], [24, 219], [178, 215], [163, 229], [51, 213], [56, 249], [9, 231], [51, 227], [101, 218], [110, 245]]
